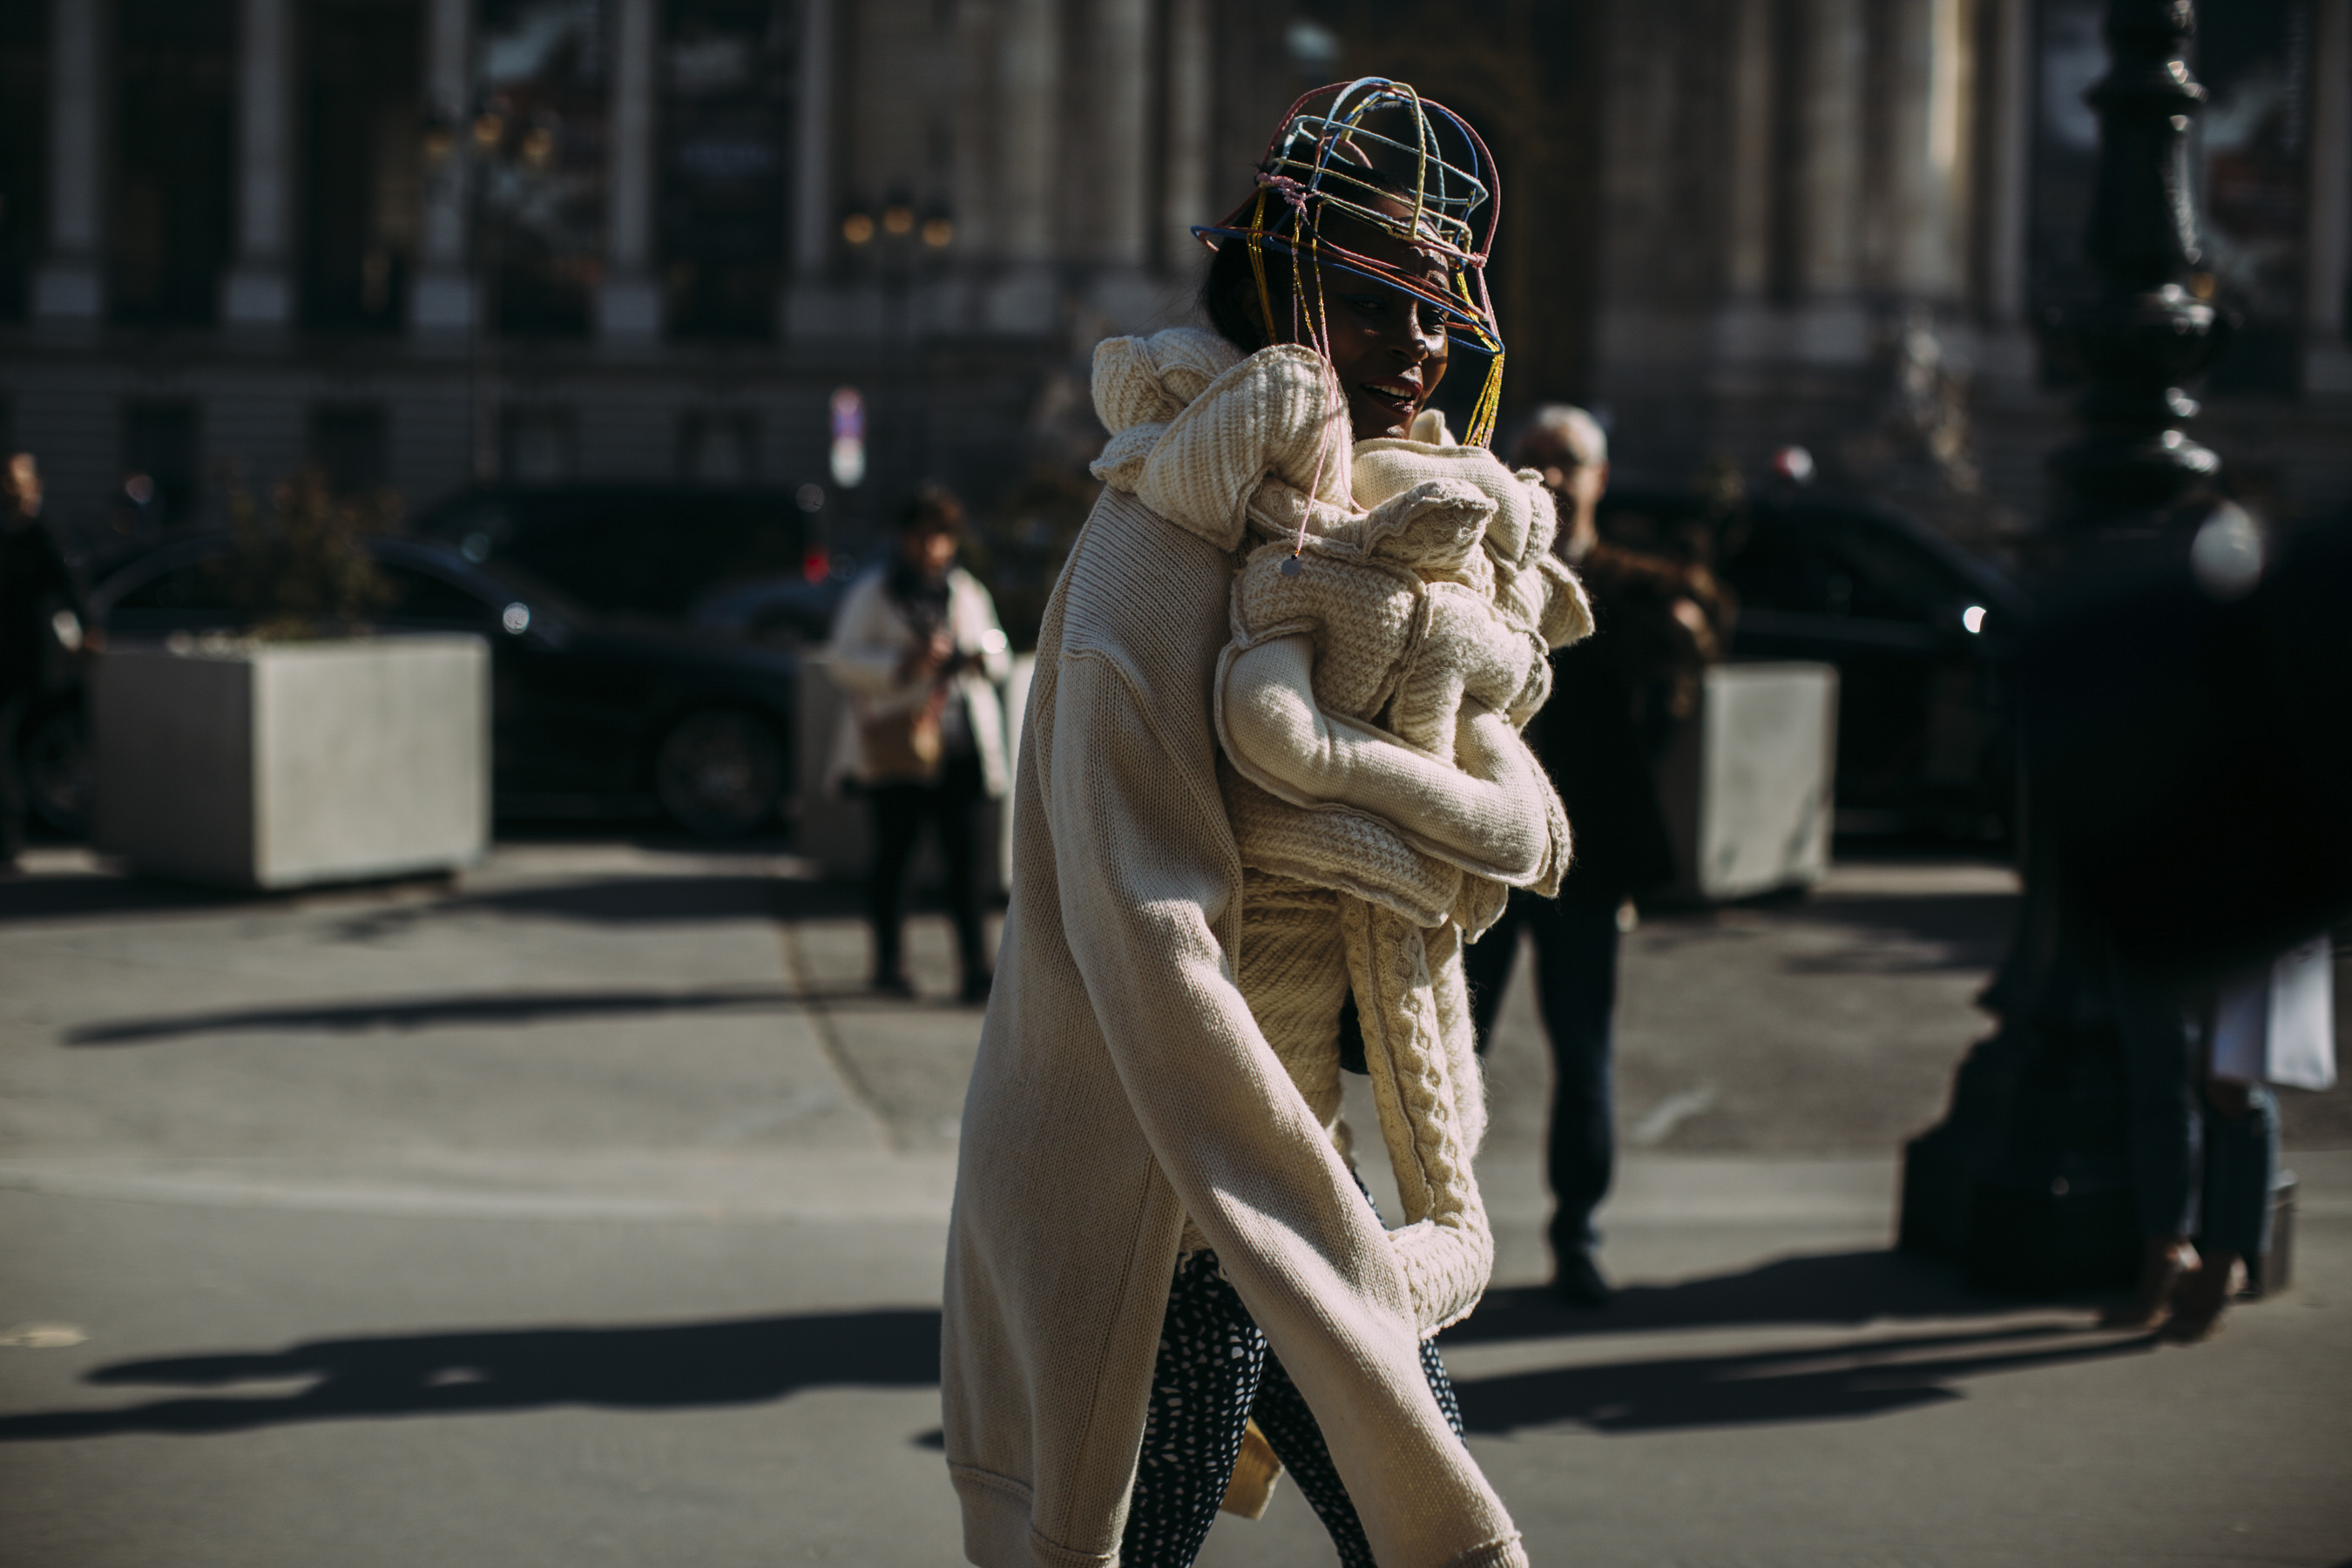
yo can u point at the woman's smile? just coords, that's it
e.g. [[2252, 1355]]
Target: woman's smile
[[1404, 391]]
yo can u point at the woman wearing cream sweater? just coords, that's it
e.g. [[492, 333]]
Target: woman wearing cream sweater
[[1156, 1238]]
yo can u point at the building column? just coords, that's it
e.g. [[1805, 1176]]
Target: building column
[[258, 292], [1921, 153], [2328, 359], [2007, 147], [973, 187], [2001, 186], [446, 300], [1029, 78], [628, 304], [1028, 96], [812, 144], [1185, 181], [1747, 160], [69, 287], [1827, 181], [1121, 129], [810, 241]]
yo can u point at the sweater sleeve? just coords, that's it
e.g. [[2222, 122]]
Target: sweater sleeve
[[1486, 817], [1145, 876]]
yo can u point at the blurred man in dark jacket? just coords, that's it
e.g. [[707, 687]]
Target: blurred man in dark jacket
[[1592, 739], [38, 631]]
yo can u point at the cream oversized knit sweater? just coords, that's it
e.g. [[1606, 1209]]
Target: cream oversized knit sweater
[[1123, 1084]]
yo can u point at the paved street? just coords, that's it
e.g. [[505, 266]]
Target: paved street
[[584, 1211]]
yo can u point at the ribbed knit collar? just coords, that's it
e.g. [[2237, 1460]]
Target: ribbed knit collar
[[1196, 428]]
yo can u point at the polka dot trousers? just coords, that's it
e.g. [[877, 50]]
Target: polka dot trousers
[[1214, 1375]]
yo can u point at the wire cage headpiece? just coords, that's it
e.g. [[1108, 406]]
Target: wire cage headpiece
[[1376, 153]]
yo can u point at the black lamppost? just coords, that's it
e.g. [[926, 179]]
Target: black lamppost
[[2028, 1177]]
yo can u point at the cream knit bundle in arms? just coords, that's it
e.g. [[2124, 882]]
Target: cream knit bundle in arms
[[1369, 709], [1427, 618]]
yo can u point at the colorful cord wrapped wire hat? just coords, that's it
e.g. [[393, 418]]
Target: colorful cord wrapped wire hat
[[1376, 153]]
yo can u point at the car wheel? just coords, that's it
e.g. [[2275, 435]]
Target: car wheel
[[53, 748], [718, 772]]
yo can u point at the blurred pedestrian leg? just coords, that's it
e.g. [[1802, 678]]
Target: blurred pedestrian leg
[[1575, 977], [2272, 1023], [2165, 1128], [2242, 1159], [40, 632], [2205, 1154], [12, 783], [899, 811]]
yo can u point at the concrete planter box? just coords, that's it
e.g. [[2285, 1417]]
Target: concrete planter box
[[1748, 784], [278, 765]]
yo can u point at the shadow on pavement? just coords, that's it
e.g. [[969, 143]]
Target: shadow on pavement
[[1827, 1383], [1838, 1289], [1844, 1289], [428, 1012], [630, 900], [37, 898], [754, 1359], [626, 900], [738, 1362]]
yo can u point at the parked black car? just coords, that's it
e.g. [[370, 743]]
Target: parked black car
[[790, 612], [1921, 631], [592, 714], [640, 549]]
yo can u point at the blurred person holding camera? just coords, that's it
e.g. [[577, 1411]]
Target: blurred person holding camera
[[917, 647]]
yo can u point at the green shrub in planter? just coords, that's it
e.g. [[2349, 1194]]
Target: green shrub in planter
[[303, 571]]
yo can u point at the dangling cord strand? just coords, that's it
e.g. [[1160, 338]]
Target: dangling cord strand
[[1307, 231]]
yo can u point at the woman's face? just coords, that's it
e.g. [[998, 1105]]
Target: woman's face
[[1388, 347], [929, 550]]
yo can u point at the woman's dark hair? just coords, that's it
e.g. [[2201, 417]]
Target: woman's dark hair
[[935, 509], [1231, 285], [1228, 287]]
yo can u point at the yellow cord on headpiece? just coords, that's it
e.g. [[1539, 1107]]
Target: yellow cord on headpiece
[[1257, 262]]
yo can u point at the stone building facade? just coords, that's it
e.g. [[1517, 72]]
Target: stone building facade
[[425, 243], [430, 242]]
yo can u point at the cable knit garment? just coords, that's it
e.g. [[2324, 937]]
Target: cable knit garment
[[1123, 1083], [1427, 619]]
